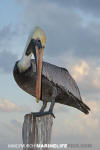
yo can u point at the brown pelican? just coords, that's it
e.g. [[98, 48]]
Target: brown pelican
[[45, 81]]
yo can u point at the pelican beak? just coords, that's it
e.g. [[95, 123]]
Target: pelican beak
[[39, 41], [39, 59]]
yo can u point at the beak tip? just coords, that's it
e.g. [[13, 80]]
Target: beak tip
[[37, 100]]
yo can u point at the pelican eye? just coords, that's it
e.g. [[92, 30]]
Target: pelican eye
[[38, 43], [38, 40]]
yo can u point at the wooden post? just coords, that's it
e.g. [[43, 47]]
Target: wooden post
[[37, 130]]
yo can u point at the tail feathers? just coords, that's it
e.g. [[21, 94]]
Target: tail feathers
[[83, 107], [79, 104]]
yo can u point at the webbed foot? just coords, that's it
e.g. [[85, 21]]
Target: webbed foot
[[38, 114]]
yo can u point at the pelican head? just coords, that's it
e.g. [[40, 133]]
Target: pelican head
[[38, 42], [39, 34]]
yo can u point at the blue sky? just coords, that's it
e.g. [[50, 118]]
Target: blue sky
[[73, 33], [9, 12]]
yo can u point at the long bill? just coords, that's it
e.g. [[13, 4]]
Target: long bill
[[39, 59]]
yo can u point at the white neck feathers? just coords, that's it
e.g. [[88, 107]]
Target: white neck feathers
[[24, 63]]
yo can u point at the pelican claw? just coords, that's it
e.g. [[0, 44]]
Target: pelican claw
[[38, 114]]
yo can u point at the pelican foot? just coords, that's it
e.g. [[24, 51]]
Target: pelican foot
[[50, 112], [38, 114]]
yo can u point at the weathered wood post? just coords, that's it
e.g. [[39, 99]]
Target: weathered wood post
[[37, 130]]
